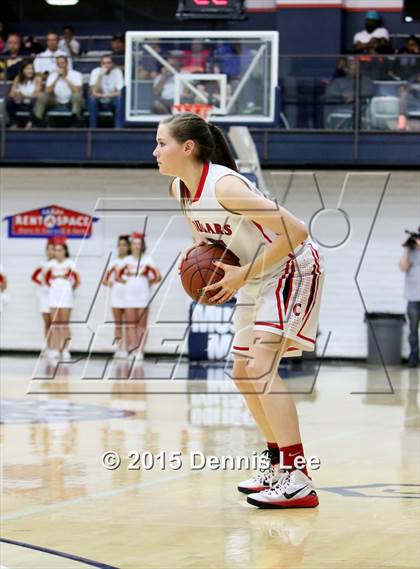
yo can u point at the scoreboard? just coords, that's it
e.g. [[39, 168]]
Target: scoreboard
[[211, 10]]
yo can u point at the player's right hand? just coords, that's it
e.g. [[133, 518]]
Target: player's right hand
[[185, 253]]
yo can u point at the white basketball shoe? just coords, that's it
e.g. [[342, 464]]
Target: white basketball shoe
[[293, 490], [265, 479], [65, 355]]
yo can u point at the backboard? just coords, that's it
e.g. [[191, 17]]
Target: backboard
[[236, 72]]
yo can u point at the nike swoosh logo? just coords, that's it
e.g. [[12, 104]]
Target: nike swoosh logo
[[293, 494]]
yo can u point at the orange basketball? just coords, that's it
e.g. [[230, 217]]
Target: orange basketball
[[198, 271]]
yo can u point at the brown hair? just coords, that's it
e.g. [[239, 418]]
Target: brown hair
[[126, 239], [211, 142]]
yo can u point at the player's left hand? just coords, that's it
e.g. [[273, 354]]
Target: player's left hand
[[232, 281]]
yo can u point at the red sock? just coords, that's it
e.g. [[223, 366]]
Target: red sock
[[290, 454], [274, 453]]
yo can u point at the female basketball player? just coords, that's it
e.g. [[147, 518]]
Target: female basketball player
[[279, 285], [118, 294], [63, 280], [138, 273], [38, 277]]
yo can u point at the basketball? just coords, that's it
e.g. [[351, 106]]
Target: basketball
[[198, 271]]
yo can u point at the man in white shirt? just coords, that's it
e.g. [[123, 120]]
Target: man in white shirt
[[164, 87], [373, 31], [46, 61], [63, 87], [68, 44], [106, 84]]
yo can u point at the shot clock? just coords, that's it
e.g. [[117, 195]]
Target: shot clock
[[210, 10]]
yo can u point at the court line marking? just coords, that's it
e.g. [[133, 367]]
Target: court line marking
[[83, 560]]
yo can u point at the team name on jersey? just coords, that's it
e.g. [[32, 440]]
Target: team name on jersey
[[214, 228]]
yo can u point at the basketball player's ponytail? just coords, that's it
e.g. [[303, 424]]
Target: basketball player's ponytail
[[221, 153], [211, 142]]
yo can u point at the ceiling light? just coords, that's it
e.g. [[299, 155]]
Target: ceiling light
[[62, 2]]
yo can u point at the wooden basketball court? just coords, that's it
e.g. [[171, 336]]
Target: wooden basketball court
[[63, 509]]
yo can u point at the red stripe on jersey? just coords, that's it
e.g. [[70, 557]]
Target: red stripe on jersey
[[202, 181], [259, 227], [313, 294], [35, 276], [269, 324], [286, 304], [48, 277], [239, 348], [278, 298]]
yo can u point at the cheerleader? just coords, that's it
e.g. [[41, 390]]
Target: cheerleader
[[3, 288], [63, 280], [38, 277], [138, 273], [118, 294]]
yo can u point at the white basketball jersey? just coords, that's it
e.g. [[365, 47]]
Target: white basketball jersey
[[244, 237]]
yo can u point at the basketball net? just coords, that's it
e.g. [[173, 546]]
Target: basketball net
[[203, 110]]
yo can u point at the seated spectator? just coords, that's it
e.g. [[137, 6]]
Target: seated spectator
[[3, 35], [164, 87], [46, 61], [341, 89], [149, 66], [340, 93], [13, 55], [63, 87], [373, 30], [195, 59], [25, 89], [118, 49], [68, 43], [232, 59], [31, 47], [106, 83], [407, 65], [118, 45], [410, 101]]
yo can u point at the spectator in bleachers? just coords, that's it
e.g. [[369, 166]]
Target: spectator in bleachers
[[68, 43], [195, 59], [408, 64], [106, 83], [164, 86], [3, 35], [63, 87], [340, 93], [410, 102], [149, 66], [232, 59], [362, 41], [13, 55], [25, 89], [118, 44], [31, 47], [46, 61], [341, 89]]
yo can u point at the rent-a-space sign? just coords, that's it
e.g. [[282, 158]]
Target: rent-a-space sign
[[50, 221]]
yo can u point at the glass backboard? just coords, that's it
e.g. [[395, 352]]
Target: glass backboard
[[235, 72]]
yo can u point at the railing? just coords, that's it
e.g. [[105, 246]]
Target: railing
[[341, 94]]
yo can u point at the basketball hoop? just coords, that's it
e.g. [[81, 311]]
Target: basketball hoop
[[203, 110]]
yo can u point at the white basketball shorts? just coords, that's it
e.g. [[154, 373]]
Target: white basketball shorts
[[286, 303]]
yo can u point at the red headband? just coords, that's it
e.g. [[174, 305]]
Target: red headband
[[59, 240], [136, 235]]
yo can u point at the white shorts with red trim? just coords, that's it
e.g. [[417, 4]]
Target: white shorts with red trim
[[286, 304]]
